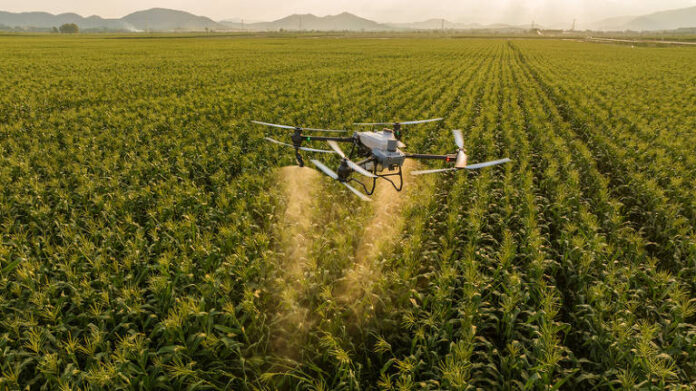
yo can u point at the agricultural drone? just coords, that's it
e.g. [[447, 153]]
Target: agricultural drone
[[380, 153]]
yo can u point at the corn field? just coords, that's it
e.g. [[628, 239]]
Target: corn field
[[145, 244]]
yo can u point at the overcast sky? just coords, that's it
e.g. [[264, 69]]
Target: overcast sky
[[548, 12]]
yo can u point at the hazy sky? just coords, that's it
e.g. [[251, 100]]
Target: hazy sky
[[548, 12]]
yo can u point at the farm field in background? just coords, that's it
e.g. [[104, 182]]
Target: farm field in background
[[150, 238]]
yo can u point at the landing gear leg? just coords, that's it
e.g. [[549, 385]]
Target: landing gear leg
[[300, 162], [297, 143], [401, 179]]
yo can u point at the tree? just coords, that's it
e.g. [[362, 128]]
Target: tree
[[69, 28], [54, 29]]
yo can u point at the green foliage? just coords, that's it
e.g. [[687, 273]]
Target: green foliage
[[69, 28], [139, 217]]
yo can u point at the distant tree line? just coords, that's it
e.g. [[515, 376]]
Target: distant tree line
[[67, 28]]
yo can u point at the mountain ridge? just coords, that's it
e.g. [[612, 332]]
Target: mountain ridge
[[345, 21], [165, 20], [153, 19], [46, 20], [674, 19], [665, 20]]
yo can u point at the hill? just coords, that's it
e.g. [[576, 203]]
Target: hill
[[664, 20], [156, 19], [342, 22], [45, 20], [162, 19], [615, 23]]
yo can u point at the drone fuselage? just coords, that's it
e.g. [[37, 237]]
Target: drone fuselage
[[383, 147]]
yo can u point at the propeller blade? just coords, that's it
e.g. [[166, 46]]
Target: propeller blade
[[397, 123], [333, 175], [458, 138], [357, 193], [421, 121], [325, 169], [273, 125], [433, 171], [487, 164], [335, 147], [470, 167], [297, 127], [360, 170], [351, 164], [373, 123], [301, 148]]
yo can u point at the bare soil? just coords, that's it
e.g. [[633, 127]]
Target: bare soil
[[381, 231], [300, 187]]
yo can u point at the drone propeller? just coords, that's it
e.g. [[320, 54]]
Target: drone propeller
[[461, 155], [458, 138], [423, 121], [397, 123], [300, 148], [423, 172], [333, 175], [298, 128], [351, 164], [469, 167], [461, 159], [487, 164], [325, 169]]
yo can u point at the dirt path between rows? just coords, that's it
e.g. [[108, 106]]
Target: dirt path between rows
[[380, 233], [296, 227]]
